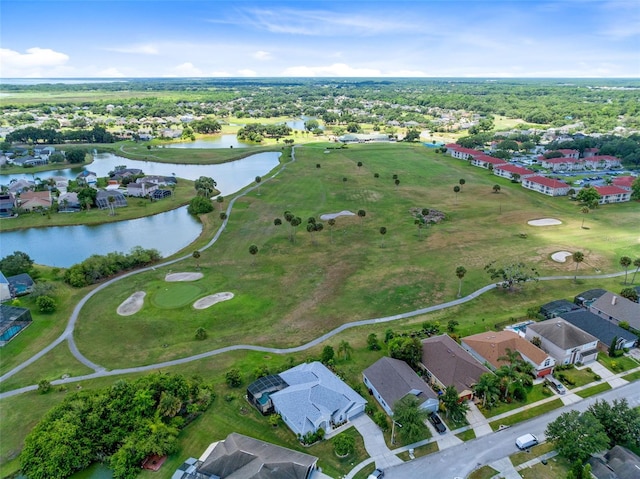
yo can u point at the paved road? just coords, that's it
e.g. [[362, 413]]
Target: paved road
[[100, 371], [459, 461]]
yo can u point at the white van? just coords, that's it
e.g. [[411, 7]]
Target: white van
[[526, 441]]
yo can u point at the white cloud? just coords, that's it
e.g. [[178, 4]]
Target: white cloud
[[262, 55], [220, 74], [145, 49], [246, 72], [35, 62]]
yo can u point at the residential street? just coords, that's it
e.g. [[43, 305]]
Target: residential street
[[459, 461]]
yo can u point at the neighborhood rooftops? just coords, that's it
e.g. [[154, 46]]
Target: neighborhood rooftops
[[244, 457], [562, 333], [613, 306], [493, 345], [599, 327]]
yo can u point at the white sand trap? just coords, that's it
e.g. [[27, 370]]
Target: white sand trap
[[561, 256], [212, 299], [333, 216], [183, 276], [132, 304], [545, 222]]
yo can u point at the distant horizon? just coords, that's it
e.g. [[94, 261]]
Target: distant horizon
[[326, 39]]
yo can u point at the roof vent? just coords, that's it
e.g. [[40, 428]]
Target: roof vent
[[613, 300]]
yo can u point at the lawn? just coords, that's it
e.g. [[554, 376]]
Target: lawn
[[575, 378], [593, 390], [632, 376], [345, 264], [484, 472], [526, 414], [557, 467], [536, 451], [617, 365], [466, 435], [420, 451], [534, 394]]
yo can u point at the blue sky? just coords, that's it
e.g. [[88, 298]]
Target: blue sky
[[320, 38]]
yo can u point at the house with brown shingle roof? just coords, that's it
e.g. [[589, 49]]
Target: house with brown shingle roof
[[566, 343], [389, 380], [489, 347], [33, 200], [447, 364]]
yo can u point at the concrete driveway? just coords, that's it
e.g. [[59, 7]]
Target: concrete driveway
[[374, 442]]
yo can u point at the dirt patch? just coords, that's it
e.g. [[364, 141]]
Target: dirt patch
[[544, 222], [561, 256], [212, 299], [183, 277], [333, 216], [132, 304]]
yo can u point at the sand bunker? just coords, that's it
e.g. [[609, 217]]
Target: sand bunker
[[333, 216], [545, 222], [132, 304], [212, 299], [183, 276], [561, 256]]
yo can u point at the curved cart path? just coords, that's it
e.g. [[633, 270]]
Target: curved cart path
[[100, 371]]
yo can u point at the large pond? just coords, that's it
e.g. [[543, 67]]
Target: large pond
[[168, 232]]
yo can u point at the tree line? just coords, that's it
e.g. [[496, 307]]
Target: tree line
[[50, 136], [120, 425]]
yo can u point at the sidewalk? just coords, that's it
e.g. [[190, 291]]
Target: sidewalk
[[477, 420]]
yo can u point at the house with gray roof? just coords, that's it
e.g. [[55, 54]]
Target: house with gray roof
[[102, 199], [617, 463], [315, 398], [389, 380], [243, 457], [566, 343], [602, 329], [8, 205], [447, 364], [616, 308]]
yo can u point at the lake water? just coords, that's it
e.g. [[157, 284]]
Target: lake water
[[168, 232]]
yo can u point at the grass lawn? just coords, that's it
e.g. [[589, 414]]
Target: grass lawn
[[534, 394], [579, 377], [527, 414], [523, 456], [420, 451], [16, 170], [484, 472], [365, 471], [466, 435], [593, 390], [557, 467], [617, 365], [632, 376]]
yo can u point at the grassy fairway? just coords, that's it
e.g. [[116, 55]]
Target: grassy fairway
[[293, 292]]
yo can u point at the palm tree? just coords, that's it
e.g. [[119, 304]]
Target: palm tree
[[258, 181], [112, 210], [196, 256], [345, 350], [223, 216], [636, 263], [220, 200], [332, 223], [295, 222], [625, 262], [585, 211], [359, 164], [462, 182], [419, 222], [460, 272], [383, 231], [496, 188], [487, 388], [456, 190], [578, 257], [396, 181]]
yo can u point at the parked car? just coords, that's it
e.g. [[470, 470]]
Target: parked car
[[377, 474], [555, 384], [526, 441], [437, 423]]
